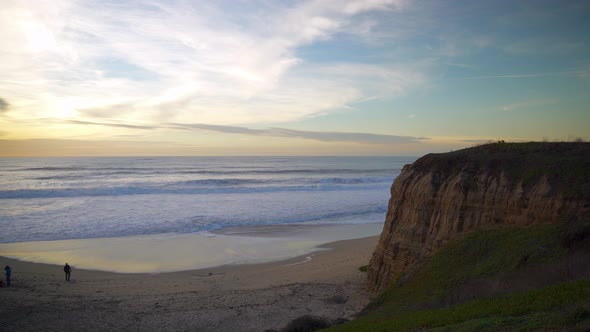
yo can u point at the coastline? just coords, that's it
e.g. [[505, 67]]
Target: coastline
[[244, 297]]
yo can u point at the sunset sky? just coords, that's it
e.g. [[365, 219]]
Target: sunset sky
[[366, 77]]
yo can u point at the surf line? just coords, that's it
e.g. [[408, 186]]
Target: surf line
[[307, 259]]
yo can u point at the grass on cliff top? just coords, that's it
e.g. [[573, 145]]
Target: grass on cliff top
[[566, 165], [463, 288]]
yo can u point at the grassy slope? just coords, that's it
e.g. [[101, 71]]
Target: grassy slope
[[436, 297]]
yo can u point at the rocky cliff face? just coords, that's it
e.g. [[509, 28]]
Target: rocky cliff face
[[441, 196]]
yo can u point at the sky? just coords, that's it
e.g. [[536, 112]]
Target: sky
[[329, 77]]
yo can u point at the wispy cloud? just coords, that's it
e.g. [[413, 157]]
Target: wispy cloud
[[218, 128], [184, 61], [4, 105], [115, 125], [527, 47], [323, 136], [361, 138], [109, 111], [532, 75], [527, 104]]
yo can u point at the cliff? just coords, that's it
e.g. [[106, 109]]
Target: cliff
[[442, 196]]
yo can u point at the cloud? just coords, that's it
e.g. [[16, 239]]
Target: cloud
[[360, 138], [115, 125], [4, 105], [531, 75], [216, 62], [221, 129], [109, 111], [528, 47], [527, 104], [323, 136]]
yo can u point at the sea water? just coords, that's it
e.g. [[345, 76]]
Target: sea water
[[48, 199], [88, 197]]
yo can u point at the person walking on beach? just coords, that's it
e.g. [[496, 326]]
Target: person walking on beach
[[8, 272], [67, 270]]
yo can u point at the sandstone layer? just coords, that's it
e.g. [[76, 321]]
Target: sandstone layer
[[442, 196]]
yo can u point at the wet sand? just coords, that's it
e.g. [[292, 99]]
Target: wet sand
[[251, 297], [172, 252]]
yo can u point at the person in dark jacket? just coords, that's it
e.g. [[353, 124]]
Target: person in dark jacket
[[67, 270], [8, 272]]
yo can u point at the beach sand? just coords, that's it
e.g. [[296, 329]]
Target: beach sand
[[252, 297]]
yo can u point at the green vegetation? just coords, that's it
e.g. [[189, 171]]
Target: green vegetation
[[363, 268], [566, 304], [495, 280], [566, 165]]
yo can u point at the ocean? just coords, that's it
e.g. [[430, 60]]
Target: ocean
[[92, 197]]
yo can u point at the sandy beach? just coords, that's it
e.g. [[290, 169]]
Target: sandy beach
[[250, 297]]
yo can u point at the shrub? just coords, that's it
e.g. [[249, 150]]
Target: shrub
[[306, 323]]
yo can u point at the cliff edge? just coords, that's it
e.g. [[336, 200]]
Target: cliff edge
[[442, 196]]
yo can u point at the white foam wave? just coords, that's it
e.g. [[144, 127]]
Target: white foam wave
[[204, 186]]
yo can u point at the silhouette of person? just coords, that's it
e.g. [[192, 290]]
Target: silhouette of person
[[8, 272], [67, 270]]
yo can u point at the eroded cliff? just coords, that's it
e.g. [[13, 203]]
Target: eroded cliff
[[441, 196]]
